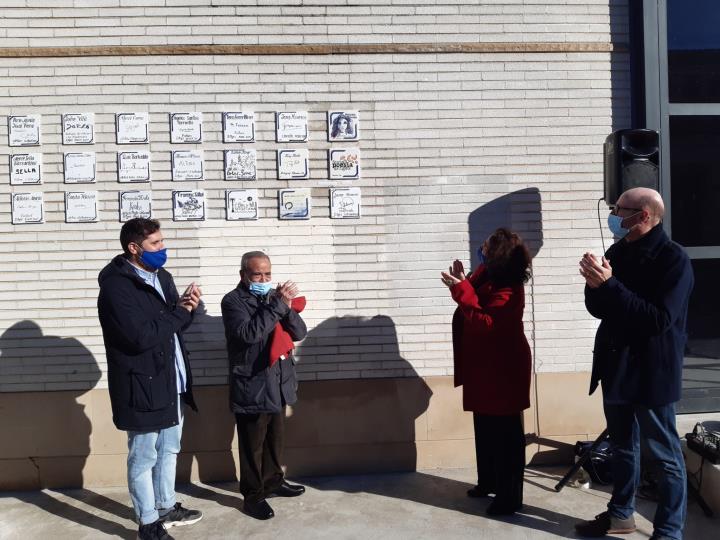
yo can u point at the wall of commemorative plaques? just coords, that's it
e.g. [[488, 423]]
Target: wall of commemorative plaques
[[187, 164]]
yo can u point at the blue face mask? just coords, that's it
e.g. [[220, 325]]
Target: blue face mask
[[154, 259], [259, 289], [480, 256], [615, 226]]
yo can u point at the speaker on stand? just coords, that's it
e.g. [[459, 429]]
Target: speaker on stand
[[632, 159]]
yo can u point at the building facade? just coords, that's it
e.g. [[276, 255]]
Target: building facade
[[472, 114]]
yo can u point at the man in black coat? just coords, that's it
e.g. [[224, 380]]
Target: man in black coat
[[149, 376], [640, 292], [260, 386]]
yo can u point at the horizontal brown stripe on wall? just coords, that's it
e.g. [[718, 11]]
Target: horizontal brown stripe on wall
[[374, 48]]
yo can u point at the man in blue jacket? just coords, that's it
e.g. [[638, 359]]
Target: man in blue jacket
[[149, 376], [254, 313], [640, 292]]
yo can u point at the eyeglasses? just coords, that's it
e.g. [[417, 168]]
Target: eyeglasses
[[614, 209]]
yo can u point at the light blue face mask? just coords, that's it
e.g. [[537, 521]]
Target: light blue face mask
[[481, 256], [259, 289], [615, 225]]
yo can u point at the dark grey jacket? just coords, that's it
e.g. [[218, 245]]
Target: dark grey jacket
[[249, 321]]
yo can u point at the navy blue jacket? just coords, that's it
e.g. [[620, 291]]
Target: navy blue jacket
[[138, 328], [640, 344], [249, 321]]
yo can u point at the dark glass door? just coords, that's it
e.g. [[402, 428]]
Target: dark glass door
[[690, 124]]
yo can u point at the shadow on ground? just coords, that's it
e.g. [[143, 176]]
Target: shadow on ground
[[49, 501], [445, 493]]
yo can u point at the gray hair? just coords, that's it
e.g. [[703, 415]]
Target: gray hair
[[251, 255]]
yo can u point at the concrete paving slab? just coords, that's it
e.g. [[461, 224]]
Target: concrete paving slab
[[422, 505]]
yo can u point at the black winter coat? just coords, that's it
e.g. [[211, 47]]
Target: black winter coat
[[640, 344], [249, 321], [138, 328]]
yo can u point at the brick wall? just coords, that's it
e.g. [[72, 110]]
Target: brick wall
[[144, 22], [451, 143]]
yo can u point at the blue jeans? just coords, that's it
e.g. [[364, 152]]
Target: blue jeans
[[632, 427], [152, 457]]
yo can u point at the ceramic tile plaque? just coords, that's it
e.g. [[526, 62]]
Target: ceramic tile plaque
[[345, 203], [131, 128], [189, 205], [79, 167], [81, 207], [344, 163], [135, 204], [241, 204], [238, 127], [27, 208], [187, 165], [291, 126], [25, 169], [240, 164], [294, 203], [186, 127], [78, 128], [343, 126], [133, 166], [24, 130], [293, 164]]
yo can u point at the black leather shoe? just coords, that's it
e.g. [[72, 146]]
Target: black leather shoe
[[258, 510], [288, 490]]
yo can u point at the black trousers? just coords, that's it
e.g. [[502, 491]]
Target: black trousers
[[260, 445], [500, 455]]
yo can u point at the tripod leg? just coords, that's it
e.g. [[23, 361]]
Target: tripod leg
[[576, 467]]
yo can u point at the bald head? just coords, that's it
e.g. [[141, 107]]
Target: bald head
[[647, 199]]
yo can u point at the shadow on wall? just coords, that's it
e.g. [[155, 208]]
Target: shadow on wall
[[520, 211], [45, 443], [207, 437], [362, 420], [35, 432]]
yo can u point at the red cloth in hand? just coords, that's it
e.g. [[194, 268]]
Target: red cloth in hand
[[281, 343]]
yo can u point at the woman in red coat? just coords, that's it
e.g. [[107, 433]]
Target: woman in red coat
[[493, 363]]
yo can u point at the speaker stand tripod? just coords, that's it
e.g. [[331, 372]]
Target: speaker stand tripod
[[579, 463], [692, 491]]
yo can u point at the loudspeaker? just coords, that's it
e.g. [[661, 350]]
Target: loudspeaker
[[632, 159]]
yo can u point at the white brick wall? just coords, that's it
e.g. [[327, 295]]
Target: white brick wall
[[144, 22], [442, 136]]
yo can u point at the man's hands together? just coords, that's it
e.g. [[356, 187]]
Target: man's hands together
[[595, 272], [287, 291]]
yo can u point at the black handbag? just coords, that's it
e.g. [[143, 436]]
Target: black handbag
[[598, 465]]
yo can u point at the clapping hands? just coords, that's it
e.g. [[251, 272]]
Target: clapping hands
[[596, 272], [454, 275], [287, 291]]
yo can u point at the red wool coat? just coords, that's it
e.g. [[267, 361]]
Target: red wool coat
[[492, 355]]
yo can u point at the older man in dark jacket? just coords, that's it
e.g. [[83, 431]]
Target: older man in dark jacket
[[642, 302], [262, 381], [149, 376]]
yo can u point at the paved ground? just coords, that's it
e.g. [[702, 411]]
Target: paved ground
[[422, 505]]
